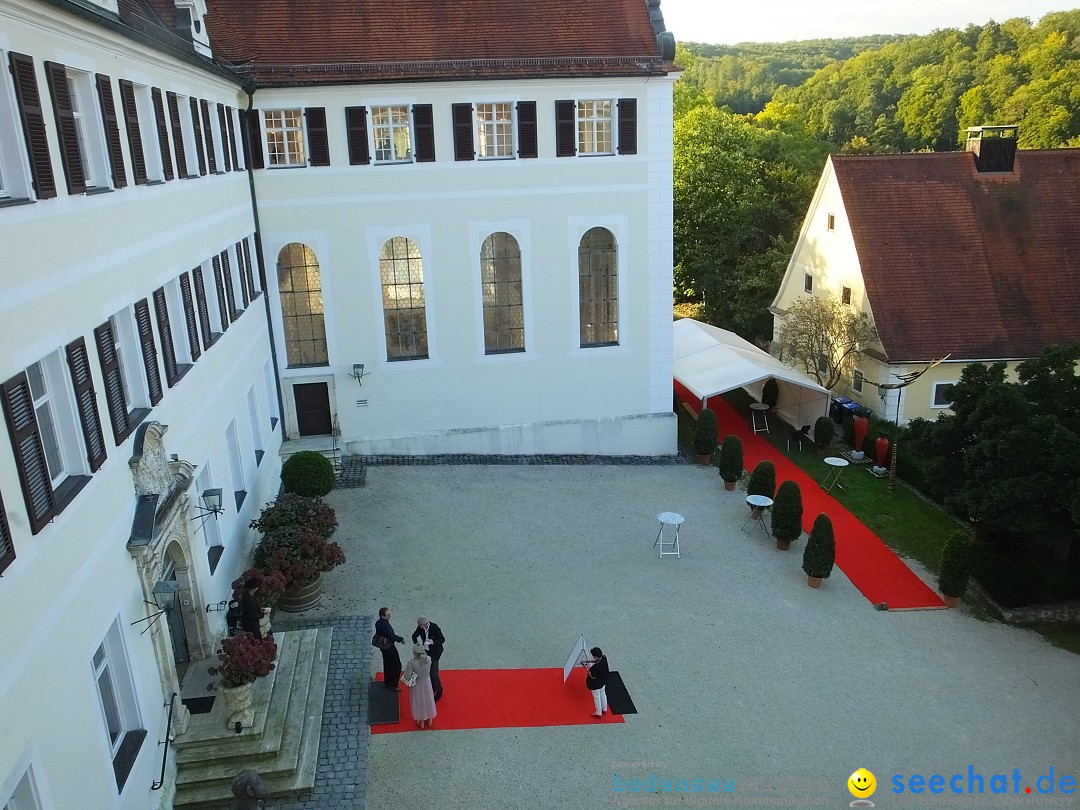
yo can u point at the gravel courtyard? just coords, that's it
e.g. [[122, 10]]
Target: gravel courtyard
[[739, 671]]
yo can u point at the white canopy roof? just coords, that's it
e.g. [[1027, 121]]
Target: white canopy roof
[[711, 361]]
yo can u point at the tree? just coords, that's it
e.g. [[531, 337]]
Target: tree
[[823, 336]]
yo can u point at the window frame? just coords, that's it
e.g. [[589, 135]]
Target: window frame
[[25, 794], [129, 358], [808, 283], [125, 746], [237, 473], [289, 298], [830, 222], [15, 184], [858, 380], [845, 296], [495, 307], [495, 124], [937, 385], [592, 126], [148, 131], [291, 161], [394, 128], [186, 135], [421, 342], [614, 276]]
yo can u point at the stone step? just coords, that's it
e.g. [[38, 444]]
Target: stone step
[[291, 769], [213, 739]]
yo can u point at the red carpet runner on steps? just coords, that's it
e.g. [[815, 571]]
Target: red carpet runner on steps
[[871, 565], [504, 698]]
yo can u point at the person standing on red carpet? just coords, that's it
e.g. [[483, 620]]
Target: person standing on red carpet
[[431, 636], [417, 677], [597, 679], [387, 638]]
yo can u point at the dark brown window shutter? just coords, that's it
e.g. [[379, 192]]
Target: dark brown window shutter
[[245, 290], [231, 128], [526, 121], [7, 546], [248, 270], [356, 125], [83, 383], [149, 350], [424, 124], [29, 454], [131, 119], [65, 126], [203, 307], [230, 292], [627, 126], [223, 307], [162, 133], [114, 383], [223, 127], [196, 125], [253, 145], [208, 135], [178, 134], [318, 144], [565, 128], [33, 121], [461, 115], [168, 350], [112, 130], [189, 318]]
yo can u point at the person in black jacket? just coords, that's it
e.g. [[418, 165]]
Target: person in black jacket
[[431, 636], [250, 610], [597, 679], [391, 661]]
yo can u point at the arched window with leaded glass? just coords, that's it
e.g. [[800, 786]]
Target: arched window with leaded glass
[[598, 288], [402, 272], [300, 292], [500, 280]]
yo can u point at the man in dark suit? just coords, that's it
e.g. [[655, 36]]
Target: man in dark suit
[[391, 661], [431, 636]]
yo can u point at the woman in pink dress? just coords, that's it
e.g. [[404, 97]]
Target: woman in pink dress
[[421, 695]]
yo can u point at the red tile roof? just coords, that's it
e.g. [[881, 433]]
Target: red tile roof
[[349, 41], [979, 266]]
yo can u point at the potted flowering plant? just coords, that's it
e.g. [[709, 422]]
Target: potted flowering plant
[[243, 659]]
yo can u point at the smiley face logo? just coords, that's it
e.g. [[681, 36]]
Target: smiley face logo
[[862, 784]]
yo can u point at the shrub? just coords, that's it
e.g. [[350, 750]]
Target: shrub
[[731, 458], [787, 512], [770, 393], [705, 433], [820, 553], [243, 659], [823, 431], [307, 473], [762, 480], [271, 584], [296, 539], [955, 564]]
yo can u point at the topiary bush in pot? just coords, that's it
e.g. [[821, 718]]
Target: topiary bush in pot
[[787, 515], [823, 431], [731, 460], [820, 553], [955, 567], [307, 473], [705, 435], [762, 480]]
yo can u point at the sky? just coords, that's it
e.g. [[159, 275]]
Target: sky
[[731, 21]]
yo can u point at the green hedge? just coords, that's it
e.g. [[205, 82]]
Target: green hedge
[[955, 564]]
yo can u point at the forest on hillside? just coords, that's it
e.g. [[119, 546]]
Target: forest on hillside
[[754, 124]]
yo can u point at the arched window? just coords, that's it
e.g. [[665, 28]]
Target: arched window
[[500, 278], [598, 288], [402, 272], [300, 289]]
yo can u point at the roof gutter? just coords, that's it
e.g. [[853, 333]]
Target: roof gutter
[[114, 23]]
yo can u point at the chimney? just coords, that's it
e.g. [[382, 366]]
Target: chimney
[[994, 147]]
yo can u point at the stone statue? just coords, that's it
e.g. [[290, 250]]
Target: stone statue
[[249, 789]]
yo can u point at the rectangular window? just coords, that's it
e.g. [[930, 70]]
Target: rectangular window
[[285, 137], [390, 130], [845, 296], [183, 136], [255, 423], [822, 364], [236, 464], [210, 530], [594, 127], [119, 709], [209, 300], [808, 283], [857, 379], [943, 394], [82, 134], [26, 795], [495, 130], [832, 222], [126, 342], [151, 140], [47, 421]]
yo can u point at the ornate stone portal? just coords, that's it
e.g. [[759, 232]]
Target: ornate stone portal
[[161, 538]]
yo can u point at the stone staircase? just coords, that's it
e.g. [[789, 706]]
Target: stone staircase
[[283, 741]]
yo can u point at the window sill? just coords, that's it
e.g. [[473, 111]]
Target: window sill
[[8, 202], [407, 359], [68, 489], [90, 192], [273, 422], [214, 337], [182, 370], [259, 457], [135, 418], [309, 365], [125, 757], [598, 345], [155, 182], [494, 352], [486, 158], [213, 556], [297, 166], [392, 162], [596, 154], [239, 495]]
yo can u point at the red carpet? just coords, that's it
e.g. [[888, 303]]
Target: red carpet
[[871, 565], [504, 698]]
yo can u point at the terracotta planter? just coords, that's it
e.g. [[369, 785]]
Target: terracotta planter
[[729, 486], [813, 582], [238, 702], [302, 597], [951, 601], [704, 458], [782, 545]]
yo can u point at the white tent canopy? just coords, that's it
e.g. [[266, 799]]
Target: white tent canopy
[[710, 361]]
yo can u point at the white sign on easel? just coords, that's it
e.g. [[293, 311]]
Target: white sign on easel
[[578, 655]]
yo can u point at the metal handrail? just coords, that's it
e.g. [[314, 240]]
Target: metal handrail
[[168, 738]]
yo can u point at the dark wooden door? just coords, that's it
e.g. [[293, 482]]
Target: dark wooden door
[[313, 409]]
